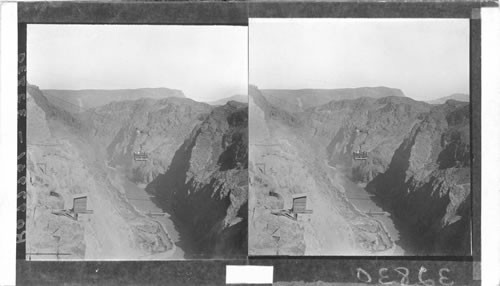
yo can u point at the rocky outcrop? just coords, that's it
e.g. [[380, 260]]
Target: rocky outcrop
[[159, 126], [427, 184], [61, 165], [417, 165], [286, 160], [198, 153], [376, 126], [205, 186]]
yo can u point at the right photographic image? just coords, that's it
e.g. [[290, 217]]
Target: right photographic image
[[359, 137]]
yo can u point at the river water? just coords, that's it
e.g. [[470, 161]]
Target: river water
[[143, 202], [364, 201]]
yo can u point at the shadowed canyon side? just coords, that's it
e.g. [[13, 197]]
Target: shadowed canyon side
[[427, 185], [383, 175], [206, 185], [89, 154]]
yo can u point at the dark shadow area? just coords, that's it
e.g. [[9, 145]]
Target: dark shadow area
[[165, 186], [415, 206], [198, 208]]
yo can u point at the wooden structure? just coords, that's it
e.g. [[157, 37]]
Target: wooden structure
[[373, 213], [299, 203], [360, 155], [141, 155], [150, 213], [79, 207]]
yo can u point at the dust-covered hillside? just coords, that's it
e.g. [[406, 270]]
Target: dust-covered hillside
[[413, 178]]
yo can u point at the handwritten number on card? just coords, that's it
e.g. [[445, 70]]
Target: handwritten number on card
[[385, 277], [428, 282], [404, 272], [21, 237], [21, 82], [22, 207], [20, 223], [22, 194], [443, 279], [363, 276], [22, 57]]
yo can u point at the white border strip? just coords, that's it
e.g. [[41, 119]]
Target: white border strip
[[249, 274], [8, 144], [490, 145], [347, 20]]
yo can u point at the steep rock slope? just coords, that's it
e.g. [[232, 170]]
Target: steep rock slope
[[284, 161], [376, 126], [418, 165], [60, 166], [302, 99], [427, 184], [159, 126], [205, 187]]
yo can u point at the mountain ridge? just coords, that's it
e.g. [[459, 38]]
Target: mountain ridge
[[238, 97], [77, 101], [456, 96], [295, 100]]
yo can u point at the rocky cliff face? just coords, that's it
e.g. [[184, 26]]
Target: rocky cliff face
[[418, 162], [376, 126], [285, 160], [62, 165], [205, 186], [73, 154], [427, 184], [159, 126]]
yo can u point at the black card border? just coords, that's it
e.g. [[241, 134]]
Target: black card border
[[212, 272]]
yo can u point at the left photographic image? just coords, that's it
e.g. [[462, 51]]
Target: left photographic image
[[137, 142]]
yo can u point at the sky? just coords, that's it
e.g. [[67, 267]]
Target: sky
[[206, 62], [425, 58]]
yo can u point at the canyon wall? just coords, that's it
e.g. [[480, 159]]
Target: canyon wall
[[418, 162], [205, 186], [70, 154]]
